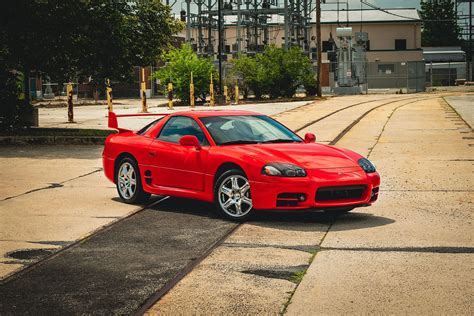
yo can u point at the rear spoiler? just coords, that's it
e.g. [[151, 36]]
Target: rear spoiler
[[113, 123]]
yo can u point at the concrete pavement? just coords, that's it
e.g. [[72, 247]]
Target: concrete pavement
[[95, 116], [255, 270], [415, 241], [423, 262], [464, 105]]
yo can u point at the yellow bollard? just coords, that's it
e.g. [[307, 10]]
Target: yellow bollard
[[236, 93], [70, 110], [108, 91], [143, 92], [191, 92], [211, 92], [226, 95], [170, 96]]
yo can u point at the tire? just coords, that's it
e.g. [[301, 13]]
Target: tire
[[232, 188], [128, 182]]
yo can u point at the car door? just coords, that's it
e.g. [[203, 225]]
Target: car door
[[175, 165]]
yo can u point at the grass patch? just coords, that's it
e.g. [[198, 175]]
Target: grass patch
[[298, 276]]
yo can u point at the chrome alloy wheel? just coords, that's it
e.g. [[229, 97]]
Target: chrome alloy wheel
[[127, 180], [234, 196]]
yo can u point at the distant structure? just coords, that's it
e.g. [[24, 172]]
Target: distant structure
[[247, 24]]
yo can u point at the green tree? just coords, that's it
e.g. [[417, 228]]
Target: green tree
[[179, 63], [77, 40], [439, 24]]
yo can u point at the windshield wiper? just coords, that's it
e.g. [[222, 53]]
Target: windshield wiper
[[280, 140], [234, 142]]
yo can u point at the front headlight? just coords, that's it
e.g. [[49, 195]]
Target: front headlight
[[365, 164], [283, 170]]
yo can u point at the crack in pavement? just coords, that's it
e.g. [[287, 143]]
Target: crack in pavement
[[305, 248], [52, 185]]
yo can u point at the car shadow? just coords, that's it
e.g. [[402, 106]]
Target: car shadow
[[290, 220]]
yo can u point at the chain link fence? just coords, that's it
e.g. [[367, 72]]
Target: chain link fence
[[373, 77], [448, 74]]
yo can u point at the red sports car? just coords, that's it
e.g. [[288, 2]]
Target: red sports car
[[242, 161]]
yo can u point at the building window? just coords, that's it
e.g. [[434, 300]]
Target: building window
[[386, 69], [400, 44]]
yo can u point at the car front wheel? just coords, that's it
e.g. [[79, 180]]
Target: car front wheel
[[232, 195], [129, 186]]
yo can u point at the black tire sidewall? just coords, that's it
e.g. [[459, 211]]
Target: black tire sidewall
[[221, 178]]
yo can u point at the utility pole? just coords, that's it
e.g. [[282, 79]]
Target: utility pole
[[287, 25], [188, 20], [219, 47], [470, 41], [318, 44]]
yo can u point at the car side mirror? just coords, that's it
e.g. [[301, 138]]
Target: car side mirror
[[190, 140], [309, 138]]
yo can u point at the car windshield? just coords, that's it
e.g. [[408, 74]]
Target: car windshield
[[247, 129]]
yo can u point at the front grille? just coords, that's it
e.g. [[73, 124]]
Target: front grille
[[340, 193]]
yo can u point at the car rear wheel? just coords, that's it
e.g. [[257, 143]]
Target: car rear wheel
[[129, 186], [232, 195]]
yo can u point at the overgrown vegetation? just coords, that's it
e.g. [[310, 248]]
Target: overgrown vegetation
[[82, 41], [276, 72], [179, 63]]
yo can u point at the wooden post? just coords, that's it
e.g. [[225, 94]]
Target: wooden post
[[191, 92], [237, 93], [170, 96], [70, 109], [143, 91], [108, 92], [211, 92]]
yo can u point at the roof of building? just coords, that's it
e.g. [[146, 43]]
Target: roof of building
[[356, 16], [444, 54]]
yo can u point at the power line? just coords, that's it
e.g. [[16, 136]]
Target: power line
[[388, 12]]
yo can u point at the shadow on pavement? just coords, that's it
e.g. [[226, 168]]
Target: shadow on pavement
[[90, 152], [349, 221]]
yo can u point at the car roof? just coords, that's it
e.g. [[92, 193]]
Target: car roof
[[208, 113]]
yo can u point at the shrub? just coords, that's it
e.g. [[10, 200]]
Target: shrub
[[180, 62], [276, 72]]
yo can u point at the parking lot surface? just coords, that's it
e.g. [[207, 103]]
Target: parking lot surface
[[412, 252]]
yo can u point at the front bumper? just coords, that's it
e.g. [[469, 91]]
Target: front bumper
[[269, 192]]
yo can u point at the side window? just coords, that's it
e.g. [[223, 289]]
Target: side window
[[179, 126]]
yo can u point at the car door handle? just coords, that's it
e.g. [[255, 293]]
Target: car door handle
[[152, 153]]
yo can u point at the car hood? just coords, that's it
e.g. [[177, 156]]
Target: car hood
[[308, 156]]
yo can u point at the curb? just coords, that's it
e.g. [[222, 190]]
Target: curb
[[55, 136]]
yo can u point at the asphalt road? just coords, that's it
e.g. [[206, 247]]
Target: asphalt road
[[117, 270]]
